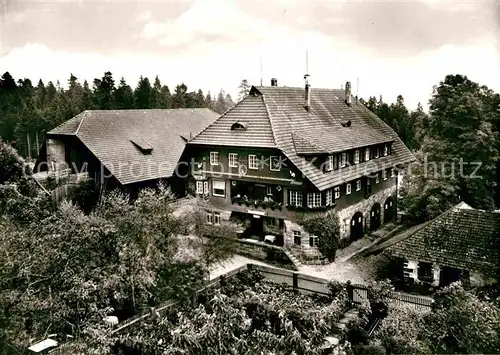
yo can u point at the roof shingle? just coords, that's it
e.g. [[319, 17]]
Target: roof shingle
[[110, 136], [462, 238]]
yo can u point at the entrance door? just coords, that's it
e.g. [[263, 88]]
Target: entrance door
[[256, 226], [375, 217], [389, 209], [357, 226]]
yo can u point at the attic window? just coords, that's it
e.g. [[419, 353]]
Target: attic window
[[239, 126], [143, 146], [346, 123]]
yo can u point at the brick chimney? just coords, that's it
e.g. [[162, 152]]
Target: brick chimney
[[274, 82], [348, 98], [307, 101]]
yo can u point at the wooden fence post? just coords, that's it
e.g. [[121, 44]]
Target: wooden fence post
[[295, 281]]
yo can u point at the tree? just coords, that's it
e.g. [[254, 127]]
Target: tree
[[143, 94], [124, 96], [420, 120], [327, 229], [103, 92], [166, 97], [179, 97], [244, 89], [7, 82]]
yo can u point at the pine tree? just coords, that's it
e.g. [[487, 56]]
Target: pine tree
[[103, 92], [143, 94], [166, 97], [244, 89], [124, 96], [179, 97]]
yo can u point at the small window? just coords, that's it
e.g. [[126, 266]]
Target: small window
[[233, 160], [356, 157], [386, 150], [376, 153], [217, 218], [209, 217], [343, 160], [377, 178], [329, 163], [271, 222], [424, 272], [199, 187], [384, 174], [393, 173], [314, 199], [296, 237], [252, 162], [295, 198], [219, 188], [348, 189], [239, 126], [313, 241], [275, 163], [205, 187], [337, 193], [358, 185], [269, 190], [329, 197], [367, 154], [214, 158]]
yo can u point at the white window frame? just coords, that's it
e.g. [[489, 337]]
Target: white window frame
[[271, 163], [214, 183], [377, 178], [329, 197], [209, 217], [356, 156], [296, 234], [343, 160], [214, 158], [337, 192], [367, 154], [294, 198], [358, 185], [384, 174], [206, 191], [233, 160], [348, 189], [377, 153], [217, 218], [329, 163], [386, 150], [199, 187], [269, 190], [393, 173], [313, 199], [253, 162]]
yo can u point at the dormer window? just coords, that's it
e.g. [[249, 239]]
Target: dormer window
[[239, 126], [142, 145], [356, 157], [346, 123], [367, 154], [329, 163], [343, 160], [386, 150]]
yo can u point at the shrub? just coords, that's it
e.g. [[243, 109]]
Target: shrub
[[327, 229]]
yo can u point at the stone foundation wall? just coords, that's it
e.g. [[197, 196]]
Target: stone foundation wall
[[365, 206]]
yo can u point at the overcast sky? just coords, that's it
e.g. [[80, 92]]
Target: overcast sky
[[394, 47]]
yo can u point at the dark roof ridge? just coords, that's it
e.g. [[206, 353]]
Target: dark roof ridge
[[84, 115]]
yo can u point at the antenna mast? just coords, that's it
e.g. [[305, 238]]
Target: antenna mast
[[260, 70], [306, 76]]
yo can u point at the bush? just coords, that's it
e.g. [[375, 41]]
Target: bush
[[371, 349], [85, 195], [327, 229]]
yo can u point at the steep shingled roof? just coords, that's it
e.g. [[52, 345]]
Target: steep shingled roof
[[110, 136], [287, 125], [462, 238]]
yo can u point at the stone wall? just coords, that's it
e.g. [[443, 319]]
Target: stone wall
[[365, 206]]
